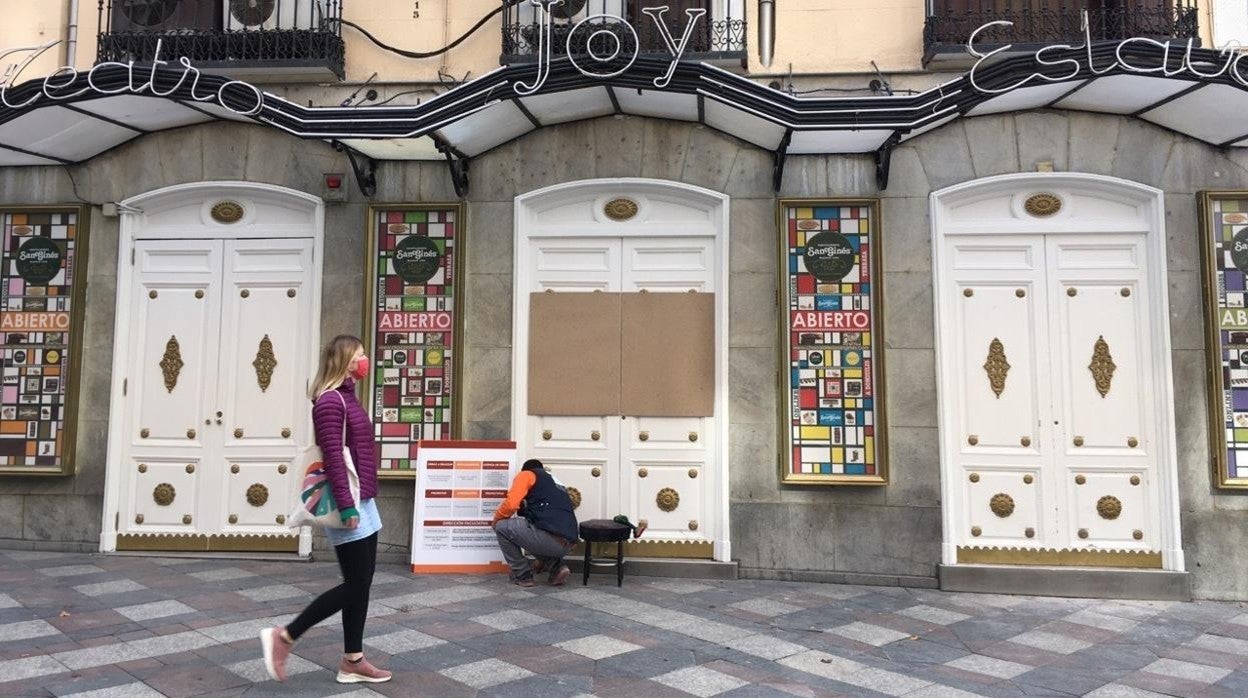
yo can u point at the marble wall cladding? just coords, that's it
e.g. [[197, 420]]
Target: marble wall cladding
[[887, 532]]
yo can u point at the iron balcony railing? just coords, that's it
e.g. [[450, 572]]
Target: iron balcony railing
[[275, 36], [951, 22], [718, 35]]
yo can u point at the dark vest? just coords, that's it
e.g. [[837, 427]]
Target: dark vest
[[549, 508]]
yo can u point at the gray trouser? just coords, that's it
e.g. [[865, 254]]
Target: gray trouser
[[516, 533]]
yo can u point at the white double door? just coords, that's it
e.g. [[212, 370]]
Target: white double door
[[215, 408], [1051, 412], [662, 470]]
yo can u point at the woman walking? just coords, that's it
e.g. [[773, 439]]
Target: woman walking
[[338, 418]]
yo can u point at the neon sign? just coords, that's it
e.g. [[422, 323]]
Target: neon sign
[[1230, 56], [587, 31], [65, 76]]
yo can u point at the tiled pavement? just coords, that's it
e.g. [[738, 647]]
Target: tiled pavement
[[93, 625]]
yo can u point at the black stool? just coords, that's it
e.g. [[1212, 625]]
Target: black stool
[[604, 531]]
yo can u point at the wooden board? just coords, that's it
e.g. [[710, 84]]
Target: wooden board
[[668, 354], [574, 354]]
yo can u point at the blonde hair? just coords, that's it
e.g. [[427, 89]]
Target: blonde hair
[[335, 358]]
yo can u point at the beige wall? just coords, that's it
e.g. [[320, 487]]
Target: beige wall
[[30, 22], [814, 36]]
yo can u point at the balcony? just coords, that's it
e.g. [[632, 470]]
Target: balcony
[[290, 40], [718, 37], [1040, 22]]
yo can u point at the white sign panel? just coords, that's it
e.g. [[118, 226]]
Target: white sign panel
[[459, 484]]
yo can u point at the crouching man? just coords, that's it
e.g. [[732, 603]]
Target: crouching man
[[546, 526]]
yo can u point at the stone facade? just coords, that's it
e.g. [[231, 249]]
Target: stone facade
[[881, 534]]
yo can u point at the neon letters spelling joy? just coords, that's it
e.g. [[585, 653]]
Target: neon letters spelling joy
[[63, 77], [587, 32], [1229, 58]]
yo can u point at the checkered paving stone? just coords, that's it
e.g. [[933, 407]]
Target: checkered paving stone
[[96, 625]]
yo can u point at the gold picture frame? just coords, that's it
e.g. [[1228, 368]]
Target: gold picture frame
[[457, 330], [876, 467], [1215, 338], [70, 380]]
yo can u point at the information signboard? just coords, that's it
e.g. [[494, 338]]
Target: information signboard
[[459, 484]]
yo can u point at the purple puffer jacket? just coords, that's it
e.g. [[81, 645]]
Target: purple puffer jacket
[[327, 420]]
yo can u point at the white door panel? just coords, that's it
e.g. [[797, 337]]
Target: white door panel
[[602, 457], [1045, 460], [187, 470]]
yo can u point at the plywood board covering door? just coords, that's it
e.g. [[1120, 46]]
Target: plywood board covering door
[[574, 354], [668, 354]]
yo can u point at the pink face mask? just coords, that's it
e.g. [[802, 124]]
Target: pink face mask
[[360, 371]]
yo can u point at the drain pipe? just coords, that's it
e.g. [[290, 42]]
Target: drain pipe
[[766, 31], [71, 35]]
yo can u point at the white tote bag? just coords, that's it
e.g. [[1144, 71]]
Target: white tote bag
[[316, 498]]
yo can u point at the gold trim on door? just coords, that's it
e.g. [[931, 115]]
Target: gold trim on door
[[1137, 559], [173, 542]]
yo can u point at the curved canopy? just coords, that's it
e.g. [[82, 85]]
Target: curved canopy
[[70, 118]]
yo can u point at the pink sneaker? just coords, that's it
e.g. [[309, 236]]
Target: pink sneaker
[[276, 650], [361, 672]]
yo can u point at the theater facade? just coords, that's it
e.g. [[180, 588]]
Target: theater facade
[[985, 333]]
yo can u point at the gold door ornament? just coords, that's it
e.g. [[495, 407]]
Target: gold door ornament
[[227, 212], [575, 495], [1001, 504], [1109, 507], [171, 363], [997, 367], [164, 494], [257, 495], [264, 363], [667, 499], [1102, 366], [1042, 205], [620, 209]]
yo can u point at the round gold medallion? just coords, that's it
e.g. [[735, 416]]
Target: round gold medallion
[[575, 495], [257, 495], [1001, 504], [164, 494], [227, 212], [667, 499], [1041, 205], [620, 209], [1109, 507]]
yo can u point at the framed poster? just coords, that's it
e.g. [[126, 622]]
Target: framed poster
[[459, 484], [1224, 251], [42, 284], [414, 328], [832, 370]]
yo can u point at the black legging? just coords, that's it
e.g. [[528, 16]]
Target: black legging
[[357, 560]]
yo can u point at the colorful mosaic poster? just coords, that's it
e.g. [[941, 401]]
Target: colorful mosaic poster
[[833, 430], [40, 295], [1225, 235], [413, 329]]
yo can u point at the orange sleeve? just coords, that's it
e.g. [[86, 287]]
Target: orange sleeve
[[519, 490]]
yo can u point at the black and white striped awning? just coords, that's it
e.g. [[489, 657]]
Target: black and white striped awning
[[1195, 92]]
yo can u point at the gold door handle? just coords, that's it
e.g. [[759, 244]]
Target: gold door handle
[[693, 436], [546, 435], [1132, 442], [1026, 441], [286, 433], [595, 435], [1078, 441], [190, 468], [643, 472], [644, 436], [190, 433], [972, 439], [596, 472]]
